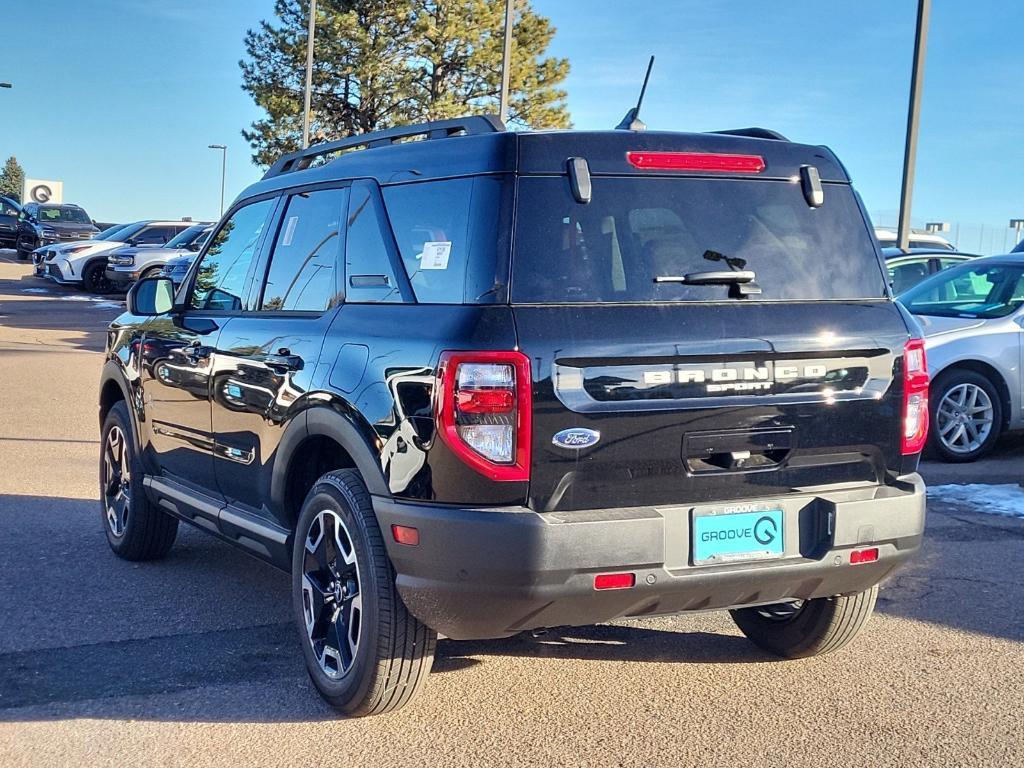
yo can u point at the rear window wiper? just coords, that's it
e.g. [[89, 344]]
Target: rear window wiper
[[741, 282]]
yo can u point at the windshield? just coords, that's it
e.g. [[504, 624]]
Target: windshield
[[186, 236], [60, 214], [637, 230], [125, 232], [110, 232], [976, 290]]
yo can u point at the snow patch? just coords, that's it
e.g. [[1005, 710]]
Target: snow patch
[[108, 305], [1006, 500], [35, 290]]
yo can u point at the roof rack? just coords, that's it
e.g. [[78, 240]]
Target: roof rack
[[755, 133], [471, 125]]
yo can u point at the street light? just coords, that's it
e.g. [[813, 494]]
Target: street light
[[913, 118], [506, 63], [6, 85], [307, 96], [223, 169]]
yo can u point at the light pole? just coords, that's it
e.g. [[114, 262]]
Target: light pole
[[506, 63], [309, 73], [6, 85], [913, 118], [223, 170]]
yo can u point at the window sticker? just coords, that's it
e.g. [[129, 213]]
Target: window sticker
[[289, 230], [435, 255]]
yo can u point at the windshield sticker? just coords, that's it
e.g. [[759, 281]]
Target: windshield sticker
[[435, 255], [289, 230]]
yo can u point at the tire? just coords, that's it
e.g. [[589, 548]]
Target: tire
[[951, 391], [151, 272], [817, 626], [136, 529], [22, 251], [393, 651], [93, 279]]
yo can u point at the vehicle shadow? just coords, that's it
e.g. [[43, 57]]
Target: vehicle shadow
[[85, 634]]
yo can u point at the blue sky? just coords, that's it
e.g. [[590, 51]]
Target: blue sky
[[119, 98]]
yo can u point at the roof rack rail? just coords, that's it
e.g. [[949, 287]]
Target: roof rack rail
[[755, 133], [470, 125]]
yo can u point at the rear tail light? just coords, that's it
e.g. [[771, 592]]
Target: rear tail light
[[695, 161], [915, 398], [483, 409]]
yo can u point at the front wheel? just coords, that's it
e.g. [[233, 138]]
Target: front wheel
[[805, 628], [365, 653], [966, 415], [24, 247], [93, 279]]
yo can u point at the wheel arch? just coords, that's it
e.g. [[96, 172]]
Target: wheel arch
[[319, 436], [112, 390]]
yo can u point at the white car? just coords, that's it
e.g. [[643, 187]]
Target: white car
[[971, 315], [888, 238], [84, 263], [128, 264]]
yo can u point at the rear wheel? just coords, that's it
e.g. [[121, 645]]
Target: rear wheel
[[151, 272], [804, 628], [136, 529], [364, 651], [93, 279], [966, 415]]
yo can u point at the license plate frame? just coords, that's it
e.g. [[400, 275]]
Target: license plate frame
[[740, 534]]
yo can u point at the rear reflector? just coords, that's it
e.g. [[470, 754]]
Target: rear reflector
[[404, 534], [915, 398], [695, 161], [863, 556], [614, 580]]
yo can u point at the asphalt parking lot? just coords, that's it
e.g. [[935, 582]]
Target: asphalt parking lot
[[193, 660]]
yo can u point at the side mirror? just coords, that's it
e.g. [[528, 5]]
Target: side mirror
[[152, 296]]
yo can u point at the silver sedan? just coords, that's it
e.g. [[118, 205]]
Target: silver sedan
[[972, 315]]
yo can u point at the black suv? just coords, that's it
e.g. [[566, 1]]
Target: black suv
[[9, 212], [489, 382], [47, 223]]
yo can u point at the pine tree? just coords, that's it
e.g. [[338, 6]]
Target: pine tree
[[12, 179], [379, 63]]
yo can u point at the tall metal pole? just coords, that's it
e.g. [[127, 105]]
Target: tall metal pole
[[223, 170], [309, 73], [913, 118], [506, 62]]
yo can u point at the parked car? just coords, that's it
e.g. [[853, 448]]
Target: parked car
[[85, 264], [41, 224], [972, 315], [514, 391], [889, 238], [177, 269], [41, 255], [907, 269], [129, 263], [9, 212]]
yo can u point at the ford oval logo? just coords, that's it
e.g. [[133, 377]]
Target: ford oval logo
[[576, 438]]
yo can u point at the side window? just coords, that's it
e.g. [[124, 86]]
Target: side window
[[220, 278], [302, 266], [907, 274], [368, 272], [448, 233], [156, 235]]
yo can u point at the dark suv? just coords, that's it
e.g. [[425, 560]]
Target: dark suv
[[9, 213], [47, 223], [490, 382]]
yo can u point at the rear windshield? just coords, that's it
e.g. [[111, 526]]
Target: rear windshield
[[637, 229]]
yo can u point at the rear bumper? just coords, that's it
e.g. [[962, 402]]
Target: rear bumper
[[482, 573]]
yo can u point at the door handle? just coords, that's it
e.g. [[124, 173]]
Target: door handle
[[283, 361], [195, 352]]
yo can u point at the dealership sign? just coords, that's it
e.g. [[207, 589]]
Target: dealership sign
[[42, 191]]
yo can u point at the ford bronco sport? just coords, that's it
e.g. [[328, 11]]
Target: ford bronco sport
[[489, 382]]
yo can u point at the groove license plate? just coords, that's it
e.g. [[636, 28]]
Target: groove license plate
[[724, 537]]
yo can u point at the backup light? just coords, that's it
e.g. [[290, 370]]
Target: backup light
[[696, 161]]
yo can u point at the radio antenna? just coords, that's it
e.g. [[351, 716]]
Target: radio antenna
[[632, 121]]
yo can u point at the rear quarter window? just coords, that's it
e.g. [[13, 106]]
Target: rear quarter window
[[637, 229]]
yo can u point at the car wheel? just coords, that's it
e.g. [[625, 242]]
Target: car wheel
[[365, 653], [93, 279], [804, 628], [23, 246], [151, 272], [136, 529], [966, 415]]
